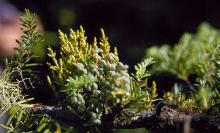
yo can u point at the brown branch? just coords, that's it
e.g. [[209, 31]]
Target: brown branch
[[162, 119], [59, 113], [56, 112], [167, 119]]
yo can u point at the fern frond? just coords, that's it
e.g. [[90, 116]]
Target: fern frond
[[141, 69]]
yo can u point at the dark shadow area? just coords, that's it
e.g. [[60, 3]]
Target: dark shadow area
[[132, 26]]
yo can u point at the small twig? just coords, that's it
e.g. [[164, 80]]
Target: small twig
[[189, 84], [50, 110]]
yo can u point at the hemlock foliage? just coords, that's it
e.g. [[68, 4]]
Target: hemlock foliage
[[92, 86]]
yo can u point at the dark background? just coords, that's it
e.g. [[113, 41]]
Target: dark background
[[131, 25]]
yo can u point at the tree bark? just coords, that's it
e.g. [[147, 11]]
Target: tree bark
[[164, 118]]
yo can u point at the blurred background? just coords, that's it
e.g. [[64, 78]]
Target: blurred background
[[131, 25]]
